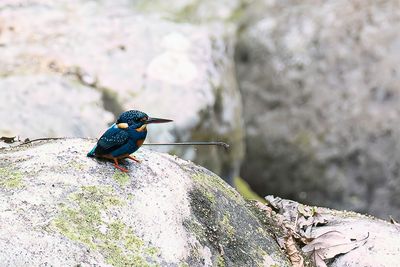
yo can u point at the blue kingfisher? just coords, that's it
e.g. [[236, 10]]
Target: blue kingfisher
[[124, 137]]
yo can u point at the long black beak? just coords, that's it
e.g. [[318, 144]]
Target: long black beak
[[157, 120]]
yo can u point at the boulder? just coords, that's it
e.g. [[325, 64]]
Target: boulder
[[322, 102], [195, 11], [50, 105], [166, 68], [344, 238], [60, 208]]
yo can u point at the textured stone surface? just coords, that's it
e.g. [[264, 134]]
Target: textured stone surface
[[166, 68], [60, 208], [195, 11], [321, 91], [378, 240], [49, 105]]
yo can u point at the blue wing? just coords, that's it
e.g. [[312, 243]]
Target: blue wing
[[111, 140]]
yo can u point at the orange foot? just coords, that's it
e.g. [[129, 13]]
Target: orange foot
[[133, 158], [116, 165]]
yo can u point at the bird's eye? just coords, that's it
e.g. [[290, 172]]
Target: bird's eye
[[143, 119]]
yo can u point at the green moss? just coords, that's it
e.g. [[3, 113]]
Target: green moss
[[195, 228], [220, 261], [121, 178], [210, 196], [230, 227], [77, 165], [132, 242], [84, 220], [205, 227], [214, 182], [244, 189], [152, 251], [261, 253], [187, 13], [116, 229], [10, 179], [227, 227]]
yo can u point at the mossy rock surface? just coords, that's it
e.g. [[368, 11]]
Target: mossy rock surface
[[82, 63], [64, 209]]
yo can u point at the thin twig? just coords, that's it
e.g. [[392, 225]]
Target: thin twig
[[224, 145], [46, 139]]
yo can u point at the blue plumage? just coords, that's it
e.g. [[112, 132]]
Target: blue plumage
[[91, 152], [111, 140], [132, 117], [119, 142], [124, 137]]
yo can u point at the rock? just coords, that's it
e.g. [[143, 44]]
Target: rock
[[168, 69], [322, 102], [376, 240], [195, 11], [50, 105], [60, 208]]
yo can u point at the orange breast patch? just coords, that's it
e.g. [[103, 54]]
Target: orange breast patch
[[139, 142]]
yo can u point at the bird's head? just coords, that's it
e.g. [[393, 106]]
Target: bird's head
[[137, 120]]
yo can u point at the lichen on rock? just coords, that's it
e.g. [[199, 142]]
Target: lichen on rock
[[70, 55], [164, 212], [10, 179], [91, 222], [224, 225], [121, 178]]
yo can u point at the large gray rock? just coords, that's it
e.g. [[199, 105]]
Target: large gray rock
[[50, 105], [349, 238], [321, 92], [60, 208], [167, 69], [195, 11]]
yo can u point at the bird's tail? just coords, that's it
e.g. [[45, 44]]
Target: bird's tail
[[91, 154]]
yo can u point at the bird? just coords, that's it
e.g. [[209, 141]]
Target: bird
[[124, 137]]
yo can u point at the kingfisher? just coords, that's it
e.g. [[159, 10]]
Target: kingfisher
[[124, 137]]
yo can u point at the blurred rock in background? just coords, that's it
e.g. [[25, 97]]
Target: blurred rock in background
[[119, 60], [47, 104], [321, 88]]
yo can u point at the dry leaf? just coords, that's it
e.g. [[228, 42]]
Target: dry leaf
[[319, 262], [306, 224], [307, 234], [319, 219], [393, 221], [279, 220], [221, 250], [316, 219], [294, 255], [303, 222], [280, 241], [332, 243], [305, 211], [273, 201], [264, 207], [8, 140]]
